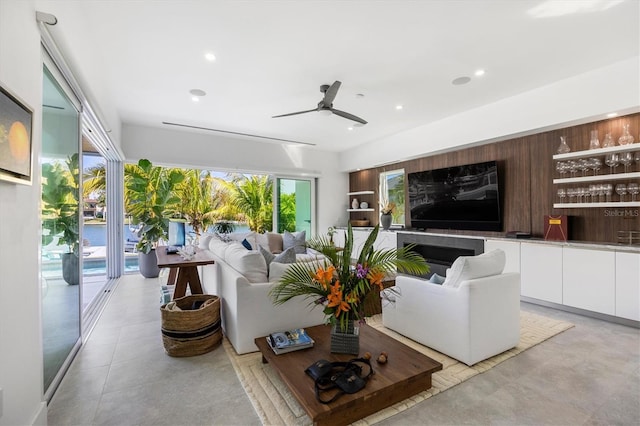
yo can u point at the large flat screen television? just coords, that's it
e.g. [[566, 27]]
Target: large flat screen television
[[460, 197]]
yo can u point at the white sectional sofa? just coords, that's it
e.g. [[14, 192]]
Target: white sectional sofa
[[241, 278]]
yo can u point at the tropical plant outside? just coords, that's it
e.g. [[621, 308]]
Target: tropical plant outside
[[60, 185], [252, 196], [150, 190]]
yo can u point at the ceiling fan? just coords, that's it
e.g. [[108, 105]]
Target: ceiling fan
[[326, 104]]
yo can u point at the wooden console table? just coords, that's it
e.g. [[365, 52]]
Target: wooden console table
[[187, 270]]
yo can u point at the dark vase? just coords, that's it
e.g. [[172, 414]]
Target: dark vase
[[70, 268], [148, 264], [385, 221]]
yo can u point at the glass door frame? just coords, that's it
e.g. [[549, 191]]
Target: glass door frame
[[276, 200], [56, 74]]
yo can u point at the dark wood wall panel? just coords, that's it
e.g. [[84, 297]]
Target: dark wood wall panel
[[526, 172]]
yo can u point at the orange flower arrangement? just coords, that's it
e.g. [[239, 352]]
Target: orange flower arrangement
[[341, 284]]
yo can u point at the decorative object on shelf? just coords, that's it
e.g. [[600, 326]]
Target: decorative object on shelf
[[364, 205], [594, 143], [359, 222], [563, 148], [187, 252], [354, 203], [626, 138], [347, 341], [386, 209], [608, 141], [555, 228], [340, 285]]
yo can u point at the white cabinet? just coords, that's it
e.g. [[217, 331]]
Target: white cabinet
[[511, 250], [588, 279], [541, 272], [628, 285]]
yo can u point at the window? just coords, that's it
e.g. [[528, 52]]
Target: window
[[392, 191]]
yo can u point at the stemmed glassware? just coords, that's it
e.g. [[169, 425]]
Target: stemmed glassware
[[562, 193], [633, 189], [595, 164], [562, 168], [621, 190], [612, 160], [583, 165], [593, 192], [608, 190], [626, 159]]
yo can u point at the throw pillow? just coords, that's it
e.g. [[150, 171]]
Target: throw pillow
[[251, 264], [249, 236], [436, 279], [471, 267], [268, 256], [274, 242], [287, 256], [246, 244], [297, 240]]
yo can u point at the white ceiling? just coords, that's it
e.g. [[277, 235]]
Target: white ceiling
[[272, 56]]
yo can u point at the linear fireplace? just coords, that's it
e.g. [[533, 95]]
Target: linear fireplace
[[441, 251]]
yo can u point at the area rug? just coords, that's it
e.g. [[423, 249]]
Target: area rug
[[275, 405]]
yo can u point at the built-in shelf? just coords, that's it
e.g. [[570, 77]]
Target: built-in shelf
[[361, 210], [597, 152], [361, 193], [598, 178], [611, 204]]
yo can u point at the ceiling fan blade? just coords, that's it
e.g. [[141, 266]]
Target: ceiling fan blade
[[348, 116], [331, 93], [295, 113]]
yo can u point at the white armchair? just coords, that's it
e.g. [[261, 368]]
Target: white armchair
[[473, 315]]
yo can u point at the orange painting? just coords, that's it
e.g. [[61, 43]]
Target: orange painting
[[15, 138]]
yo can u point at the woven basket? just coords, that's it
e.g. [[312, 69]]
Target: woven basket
[[345, 342], [359, 222], [191, 332]]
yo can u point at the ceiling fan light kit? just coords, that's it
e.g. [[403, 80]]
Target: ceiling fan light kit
[[325, 106]]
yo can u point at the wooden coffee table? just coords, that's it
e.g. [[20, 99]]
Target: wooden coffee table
[[407, 373]]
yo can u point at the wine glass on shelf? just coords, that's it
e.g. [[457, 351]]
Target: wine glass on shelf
[[593, 192], [621, 190], [572, 166], [561, 167], [633, 189], [626, 159], [595, 164], [571, 192], [562, 193], [608, 190], [583, 166], [611, 160]]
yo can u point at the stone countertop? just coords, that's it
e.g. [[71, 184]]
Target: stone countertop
[[631, 248]]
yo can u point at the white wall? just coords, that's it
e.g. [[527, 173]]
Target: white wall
[[580, 99], [215, 152], [20, 332]]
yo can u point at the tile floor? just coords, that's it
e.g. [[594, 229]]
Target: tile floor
[[588, 375]]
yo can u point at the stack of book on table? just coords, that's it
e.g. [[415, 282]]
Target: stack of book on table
[[288, 341]]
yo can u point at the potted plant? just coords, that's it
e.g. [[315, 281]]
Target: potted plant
[[60, 213], [149, 191], [341, 284]]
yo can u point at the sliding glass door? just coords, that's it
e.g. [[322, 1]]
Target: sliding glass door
[[295, 205], [61, 261]]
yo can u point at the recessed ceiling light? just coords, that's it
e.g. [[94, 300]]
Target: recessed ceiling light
[[210, 56], [399, 107], [460, 81], [612, 114], [195, 99], [479, 73], [349, 128]]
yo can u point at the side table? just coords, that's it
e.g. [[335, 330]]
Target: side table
[[187, 269]]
